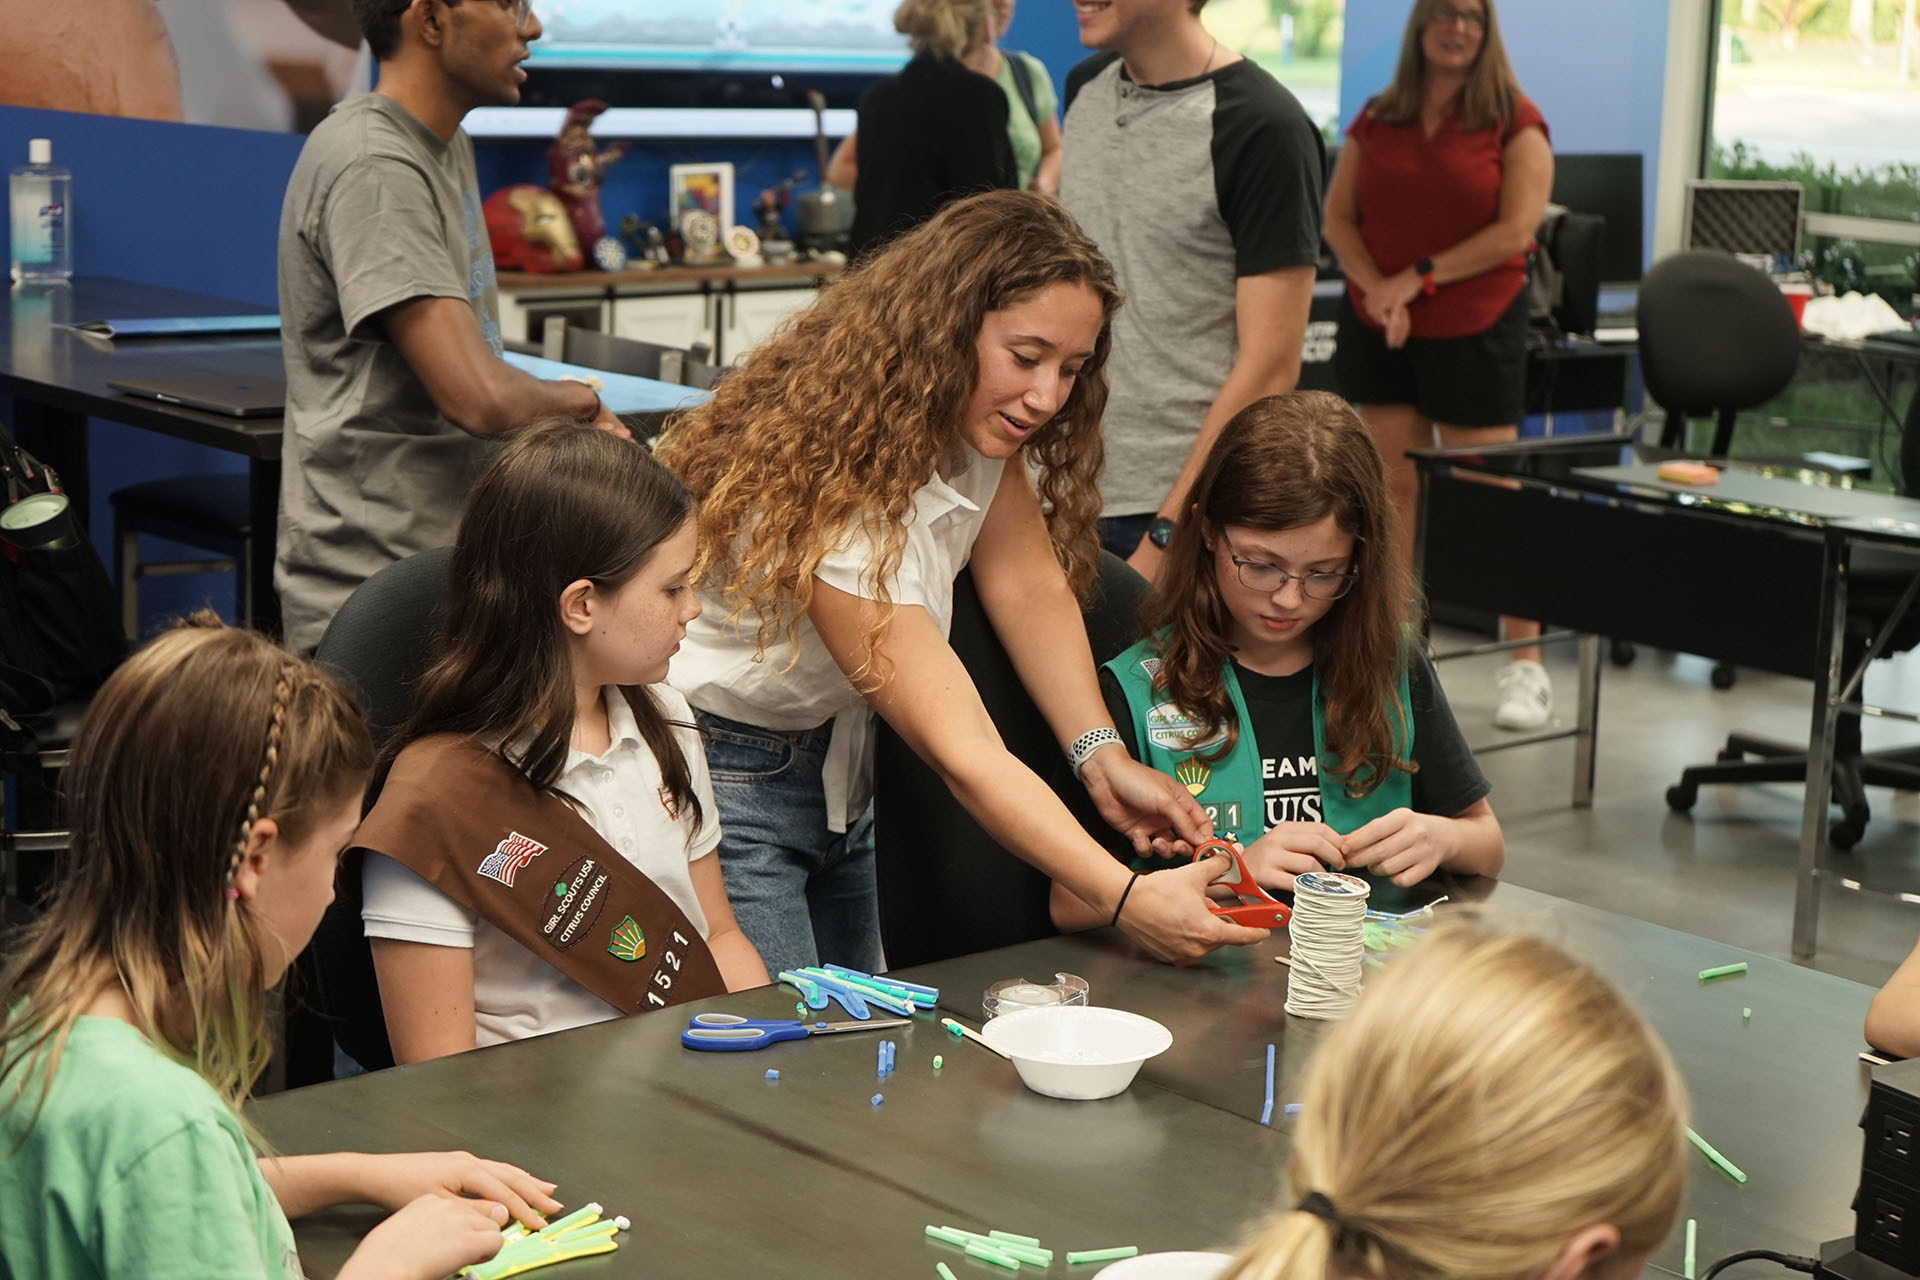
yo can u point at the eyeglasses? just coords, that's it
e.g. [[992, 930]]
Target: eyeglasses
[[520, 9], [1268, 579], [1447, 15]]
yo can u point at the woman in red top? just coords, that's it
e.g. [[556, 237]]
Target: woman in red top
[[1431, 210]]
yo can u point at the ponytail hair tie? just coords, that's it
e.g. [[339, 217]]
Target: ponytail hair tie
[[1346, 1236]]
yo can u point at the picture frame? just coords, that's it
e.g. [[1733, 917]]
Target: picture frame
[[707, 187]]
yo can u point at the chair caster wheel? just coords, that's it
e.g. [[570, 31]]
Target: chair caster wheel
[[1623, 653], [1680, 798], [1723, 675], [1845, 834]]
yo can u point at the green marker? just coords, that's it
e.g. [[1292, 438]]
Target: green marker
[[1102, 1255], [1722, 971]]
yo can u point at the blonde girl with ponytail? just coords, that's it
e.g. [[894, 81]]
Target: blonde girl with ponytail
[[209, 791], [1491, 1110]]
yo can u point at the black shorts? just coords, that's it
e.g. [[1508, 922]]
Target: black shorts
[[1476, 381]]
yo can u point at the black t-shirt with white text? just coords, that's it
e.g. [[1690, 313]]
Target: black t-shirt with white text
[[1447, 781]]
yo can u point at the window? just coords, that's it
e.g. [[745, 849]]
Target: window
[[1827, 93], [1297, 40]]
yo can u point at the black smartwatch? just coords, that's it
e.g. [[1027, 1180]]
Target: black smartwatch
[[1160, 532]]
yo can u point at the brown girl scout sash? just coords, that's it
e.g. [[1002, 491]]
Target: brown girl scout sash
[[474, 828]]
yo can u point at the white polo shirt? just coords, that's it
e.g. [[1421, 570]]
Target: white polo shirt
[[799, 686], [516, 993]]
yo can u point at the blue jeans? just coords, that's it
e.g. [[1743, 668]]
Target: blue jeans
[[1121, 534], [801, 893]]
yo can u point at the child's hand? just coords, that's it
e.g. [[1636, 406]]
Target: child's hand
[[431, 1238], [1403, 845], [397, 1180], [1290, 848]]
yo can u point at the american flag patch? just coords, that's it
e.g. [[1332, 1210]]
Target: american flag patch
[[511, 854]]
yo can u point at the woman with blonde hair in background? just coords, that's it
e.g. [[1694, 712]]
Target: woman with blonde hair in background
[[1492, 1108], [938, 408], [1033, 111], [932, 132]]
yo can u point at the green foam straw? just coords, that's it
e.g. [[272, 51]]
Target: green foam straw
[[1693, 1230], [560, 1226], [949, 1236], [1102, 1255], [1009, 1245], [513, 1262], [997, 1257], [946, 1272], [1719, 1161], [1722, 971], [1746, 1015], [1032, 1242]]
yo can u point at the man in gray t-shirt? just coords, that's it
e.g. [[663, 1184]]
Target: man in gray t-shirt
[[389, 310], [1199, 177]]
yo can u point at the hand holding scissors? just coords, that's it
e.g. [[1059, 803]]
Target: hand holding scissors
[[730, 1033], [1256, 907]]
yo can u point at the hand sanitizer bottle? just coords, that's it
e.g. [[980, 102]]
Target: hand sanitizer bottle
[[40, 198]]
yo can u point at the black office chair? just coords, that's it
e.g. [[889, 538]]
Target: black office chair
[[1874, 588], [946, 887], [379, 642], [1716, 337]]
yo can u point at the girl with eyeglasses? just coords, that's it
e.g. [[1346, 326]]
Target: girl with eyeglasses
[[1431, 210], [1279, 682]]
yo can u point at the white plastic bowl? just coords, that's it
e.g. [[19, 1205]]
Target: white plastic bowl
[[1077, 1051]]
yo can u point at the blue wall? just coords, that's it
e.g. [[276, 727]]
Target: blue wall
[[179, 206]]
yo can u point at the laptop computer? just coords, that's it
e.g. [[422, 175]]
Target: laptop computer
[[235, 396]]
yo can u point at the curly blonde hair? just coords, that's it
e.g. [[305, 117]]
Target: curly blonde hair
[[842, 415]]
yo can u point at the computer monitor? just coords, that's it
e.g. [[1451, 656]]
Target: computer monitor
[[1611, 186]]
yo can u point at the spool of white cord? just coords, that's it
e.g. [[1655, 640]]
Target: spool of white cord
[[1328, 932]]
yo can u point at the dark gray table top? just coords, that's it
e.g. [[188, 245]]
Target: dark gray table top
[[730, 1174], [69, 371]]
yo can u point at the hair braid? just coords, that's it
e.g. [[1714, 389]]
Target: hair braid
[[276, 722]]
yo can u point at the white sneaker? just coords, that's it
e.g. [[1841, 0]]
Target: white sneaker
[[1526, 696]]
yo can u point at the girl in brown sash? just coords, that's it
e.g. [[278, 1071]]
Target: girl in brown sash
[[541, 839], [210, 790]]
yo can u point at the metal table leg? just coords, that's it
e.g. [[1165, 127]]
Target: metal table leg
[[1820, 751]]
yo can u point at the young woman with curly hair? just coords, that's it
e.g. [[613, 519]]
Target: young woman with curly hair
[[1276, 680], [938, 407]]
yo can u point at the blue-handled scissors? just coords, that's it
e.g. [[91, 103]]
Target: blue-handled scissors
[[730, 1033]]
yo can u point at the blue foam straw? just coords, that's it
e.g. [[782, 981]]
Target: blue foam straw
[[772, 1074], [1266, 1111], [891, 981], [1295, 1108], [878, 1099]]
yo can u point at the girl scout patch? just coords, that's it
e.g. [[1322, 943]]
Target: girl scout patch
[[628, 943]]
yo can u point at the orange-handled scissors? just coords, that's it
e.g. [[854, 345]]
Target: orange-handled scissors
[[1257, 908]]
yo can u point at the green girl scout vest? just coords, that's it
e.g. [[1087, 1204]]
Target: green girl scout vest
[[1231, 789]]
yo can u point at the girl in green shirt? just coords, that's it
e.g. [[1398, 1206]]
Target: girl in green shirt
[[210, 790]]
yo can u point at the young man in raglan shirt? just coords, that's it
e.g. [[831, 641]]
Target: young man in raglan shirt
[[1199, 176]]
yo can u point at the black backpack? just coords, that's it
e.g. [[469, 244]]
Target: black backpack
[[60, 630]]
